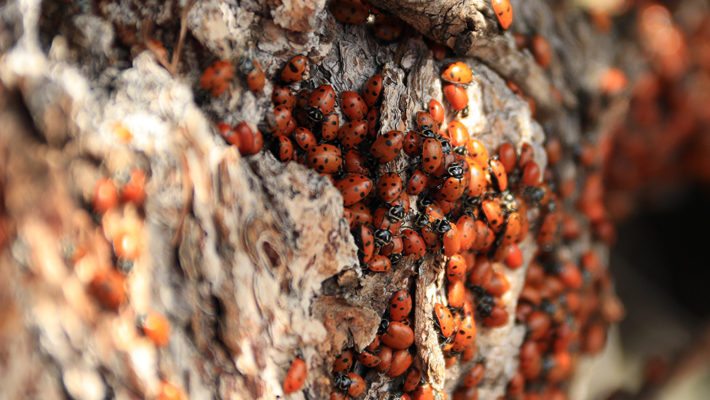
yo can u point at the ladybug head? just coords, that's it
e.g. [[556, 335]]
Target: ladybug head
[[446, 146], [461, 150], [421, 220], [395, 213], [395, 258], [442, 226], [427, 133], [384, 324], [455, 170], [382, 237], [534, 194], [314, 114], [342, 382]]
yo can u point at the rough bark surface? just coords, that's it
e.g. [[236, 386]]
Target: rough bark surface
[[249, 258]]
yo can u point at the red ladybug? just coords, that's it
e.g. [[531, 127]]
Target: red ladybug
[[353, 106], [436, 110], [401, 360], [412, 143], [282, 96], [325, 158], [360, 214], [352, 133], [156, 327], [456, 96], [352, 384], [493, 213], [417, 182], [444, 319], [250, 141], [497, 317], [527, 153], [255, 76], [304, 138], [513, 227], [432, 155], [217, 77], [134, 190], [531, 174], [424, 120], [541, 50], [387, 28], [465, 335], [105, 195], [453, 187], [366, 242], [355, 162], [398, 336], [477, 153], [354, 187], [282, 121], [329, 127], [504, 12], [456, 293], [389, 187], [457, 72], [368, 359], [351, 12], [373, 120], [451, 240], [379, 263], [108, 287], [458, 133], [467, 231], [400, 305], [498, 284], [343, 362], [387, 146], [507, 156], [423, 392], [477, 182], [474, 376], [456, 268], [323, 99], [371, 91], [497, 171], [294, 70], [413, 244], [296, 376], [412, 380]]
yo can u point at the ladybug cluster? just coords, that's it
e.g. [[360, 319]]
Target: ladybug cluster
[[115, 202], [456, 199]]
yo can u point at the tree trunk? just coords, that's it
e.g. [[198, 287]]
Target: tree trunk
[[249, 258]]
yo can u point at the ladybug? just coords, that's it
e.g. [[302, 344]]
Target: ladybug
[[436, 110], [493, 213], [105, 195], [477, 182], [343, 362], [372, 90], [457, 72], [497, 171], [504, 12], [432, 155], [351, 12], [548, 229], [353, 187], [412, 144], [453, 187], [304, 138], [388, 218], [412, 380], [168, 391], [329, 127], [467, 231], [387, 146], [458, 133], [383, 237], [477, 153], [451, 239], [156, 327], [413, 244], [228, 133], [456, 294], [217, 77], [498, 285], [355, 162], [400, 305], [527, 153], [387, 28], [350, 383], [570, 275], [456, 96], [553, 148], [465, 335], [538, 324], [497, 317], [456, 268], [507, 156], [296, 376], [353, 106], [474, 376], [379, 263], [250, 141], [281, 121], [465, 393], [134, 190], [417, 182], [389, 187], [530, 360], [325, 158], [282, 96], [531, 174], [513, 227], [445, 319], [398, 336], [360, 214], [366, 243], [294, 70], [108, 287], [385, 356], [126, 245], [541, 50], [368, 359], [283, 147], [352, 133], [424, 120], [394, 249], [401, 361], [323, 99], [255, 76], [374, 345], [423, 392]]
